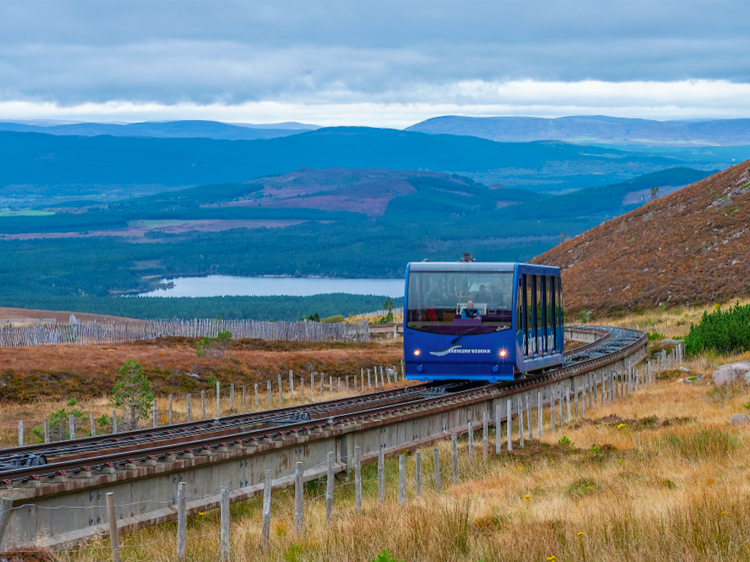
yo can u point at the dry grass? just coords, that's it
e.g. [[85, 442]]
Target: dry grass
[[669, 484], [671, 322]]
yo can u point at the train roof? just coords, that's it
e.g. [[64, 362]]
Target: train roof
[[498, 267]]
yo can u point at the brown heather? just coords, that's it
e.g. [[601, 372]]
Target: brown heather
[[690, 247]]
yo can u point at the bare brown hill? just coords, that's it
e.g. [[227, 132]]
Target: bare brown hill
[[690, 247]]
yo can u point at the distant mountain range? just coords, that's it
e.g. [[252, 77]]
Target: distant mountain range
[[594, 130], [170, 129], [105, 167]]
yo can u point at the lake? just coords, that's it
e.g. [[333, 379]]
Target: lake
[[226, 285]]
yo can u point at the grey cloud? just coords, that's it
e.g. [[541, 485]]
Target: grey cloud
[[73, 52]]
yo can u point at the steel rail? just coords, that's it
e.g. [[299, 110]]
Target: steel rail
[[145, 435], [253, 437]]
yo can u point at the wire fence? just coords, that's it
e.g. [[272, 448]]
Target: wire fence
[[87, 333]]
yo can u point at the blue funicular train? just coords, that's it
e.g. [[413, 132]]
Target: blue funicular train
[[477, 321]]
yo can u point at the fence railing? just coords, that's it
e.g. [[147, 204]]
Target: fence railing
[[379, 313], [85, 333]]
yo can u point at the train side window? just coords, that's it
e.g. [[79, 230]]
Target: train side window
[[519, 304], [526, 305], [548, 313], [533, 311], [560, 305], [545, 315], [553, 311]]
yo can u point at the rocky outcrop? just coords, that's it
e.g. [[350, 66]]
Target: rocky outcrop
[[732, 373]]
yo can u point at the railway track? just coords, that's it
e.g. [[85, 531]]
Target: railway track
[[35, 465]]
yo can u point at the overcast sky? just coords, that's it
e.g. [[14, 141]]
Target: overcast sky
[[375, 63]]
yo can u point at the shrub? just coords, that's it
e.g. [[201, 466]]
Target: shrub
[[58, 425], [724, 332], [215, 347], [335, 319], [72, 402], [565, 442], [655, 336]]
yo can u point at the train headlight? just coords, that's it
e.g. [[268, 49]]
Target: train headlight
[[417, 352], [503, 353]]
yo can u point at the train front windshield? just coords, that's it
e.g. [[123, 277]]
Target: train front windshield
[[436, 300]]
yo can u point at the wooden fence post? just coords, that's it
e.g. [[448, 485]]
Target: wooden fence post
[[203, 403], [485, 436], [218, 399], [436, 466], [322, 384], [265, 537], [268, 391], [72, 426], [369, 384], [401, 479], [330, 384], [551, 409], [329, 489], [225, 548], [498, 431], [471, 442], [381, 476], [540, 415], [520, 423], [291, 383], [357, 479], [312, 384], [114, 537], [528, 417], [170, 410], [46, 430], [231, 398], [156, 414], [508, 425], [114, 421], [189, 409], [257, 401], [454, 457], [181, 521], [20, 433], [299, 496], [567, 401], [281, 389], [347, 385], [93, 425]]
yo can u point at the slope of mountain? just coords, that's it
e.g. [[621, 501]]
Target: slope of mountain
[[593, 129], [107, 167], [692, 246], [609, 201], [170, 129]]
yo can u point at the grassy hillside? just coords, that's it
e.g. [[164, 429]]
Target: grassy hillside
[[688, 248]]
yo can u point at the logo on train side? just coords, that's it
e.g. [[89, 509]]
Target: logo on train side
[[458, 349]]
